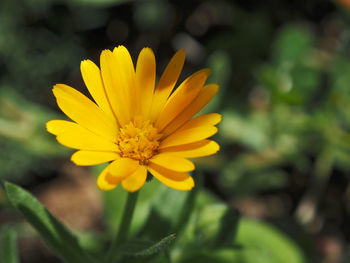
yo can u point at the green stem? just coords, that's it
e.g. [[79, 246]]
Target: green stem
[[123, 227]]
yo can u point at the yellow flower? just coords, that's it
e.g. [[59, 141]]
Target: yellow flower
[[135, 126]]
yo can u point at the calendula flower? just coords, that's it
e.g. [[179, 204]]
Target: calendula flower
[[135, 125]]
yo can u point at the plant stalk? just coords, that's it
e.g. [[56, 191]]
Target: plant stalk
[[123, 227]]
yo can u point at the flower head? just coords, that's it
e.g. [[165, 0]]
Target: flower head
[[134, 124]]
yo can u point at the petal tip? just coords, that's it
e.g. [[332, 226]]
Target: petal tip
[[207, 71], [104, 53], [130, 190], [120, 48], [218, 118], [216, 87], [215, 130], [148, 51], [49, 127], [191, 167], [217, 147], [104, 186], [55, 87], [84, 63], [190, 185], [73, 159], [181, 52]]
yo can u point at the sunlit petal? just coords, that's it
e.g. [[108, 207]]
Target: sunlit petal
[[193, 150], [83, 111], [120, 169], [167, 83], [204, 96], [136, 180], [145, 79], [172, 179], [93, 157], [188, 136], [173, 162], [93, 81], [102, 183], [181, 98]]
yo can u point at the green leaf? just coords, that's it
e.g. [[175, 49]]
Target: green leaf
[[166, 209], [56, 235], [142, 249], [221, 236], [208, 224], [216, 226], [228, 228], [269, 244], [9, 247]]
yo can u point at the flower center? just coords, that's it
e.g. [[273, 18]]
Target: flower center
[[138, 140]]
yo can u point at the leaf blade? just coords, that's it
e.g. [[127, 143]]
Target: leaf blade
[[9, 252], [56, 235], [144, 249]]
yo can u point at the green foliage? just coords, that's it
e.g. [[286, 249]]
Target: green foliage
[[209, 231], [302, 43], [261, 241], [9, 247], [297, 110], [291, 77], [144, 249], [57, 236], [254, 241]]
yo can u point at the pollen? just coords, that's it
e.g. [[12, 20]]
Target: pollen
[[138, 140]]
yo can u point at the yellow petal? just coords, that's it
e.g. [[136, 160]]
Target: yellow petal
[[93, 157], [102, 183], [194, 150], [181, 98], [172, 179], [136, 180], [209, 119], [116, 93], [188, 136], [206, 72], [120, 169], [77, 137], [172, 162], [167, 83], [93, 81], [86, 113], [127, 78], [145, 79], [59, 126], [204, 96]]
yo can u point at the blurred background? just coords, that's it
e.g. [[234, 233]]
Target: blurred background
[[284, 73]]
